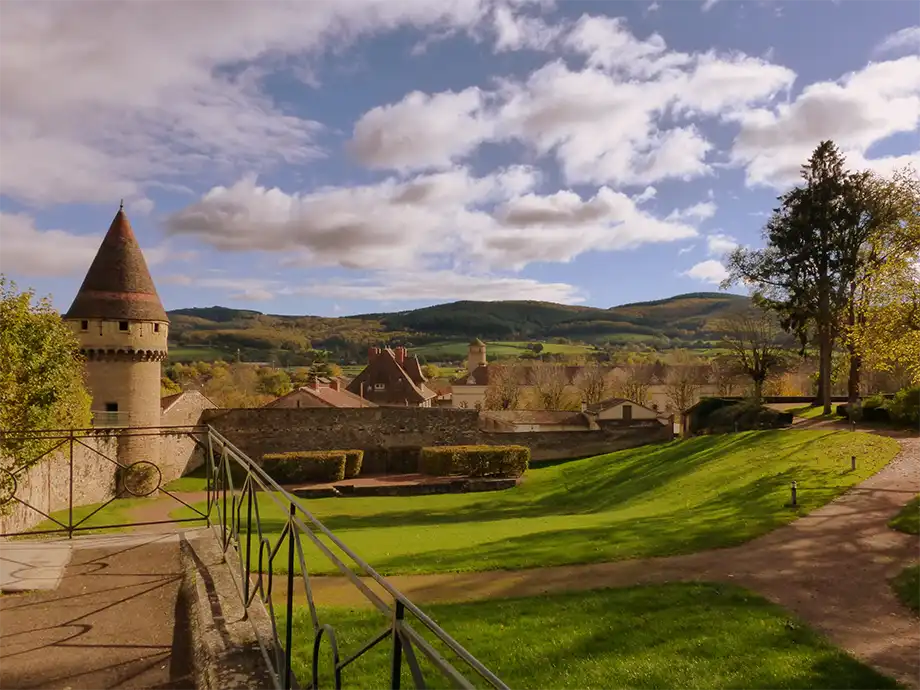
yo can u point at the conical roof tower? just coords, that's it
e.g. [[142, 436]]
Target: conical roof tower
[[118, 285]]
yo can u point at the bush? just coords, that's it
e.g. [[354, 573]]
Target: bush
[[353, 461], [904, 408], [746, 416], [698, 418], [475, 461], [305, 466]]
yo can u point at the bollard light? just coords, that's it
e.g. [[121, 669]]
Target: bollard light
[[793, 493], [852, 462]]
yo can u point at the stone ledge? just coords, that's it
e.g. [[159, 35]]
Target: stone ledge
[[229, 650]]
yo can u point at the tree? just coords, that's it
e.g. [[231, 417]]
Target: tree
[[725, 375], [752, 339], [274, 382], [168, 387], [41, 373], [800, 273], [549, 384], [431, 371], [592, 382], [504, 389], [636, 382], [683, 380]]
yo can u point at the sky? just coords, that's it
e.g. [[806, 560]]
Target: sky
[[351, 156]]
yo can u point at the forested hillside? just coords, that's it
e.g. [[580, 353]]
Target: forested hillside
[[218, 331]]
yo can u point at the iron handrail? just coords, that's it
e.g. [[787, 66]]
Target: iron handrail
[[405, 639]]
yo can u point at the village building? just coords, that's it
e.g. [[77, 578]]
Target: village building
[[620, 409], [392, 378], [321, 392]]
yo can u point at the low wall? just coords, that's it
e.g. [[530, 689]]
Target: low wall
[[385, 431]]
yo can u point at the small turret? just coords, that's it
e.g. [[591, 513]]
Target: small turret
[[476, 355]]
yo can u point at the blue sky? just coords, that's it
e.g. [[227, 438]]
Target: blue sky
[[377, 155]]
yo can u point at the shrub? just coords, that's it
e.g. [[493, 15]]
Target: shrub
[[305, 466], [904, 408], [353, 461], [698, 418], [746, 416], [475, 461]]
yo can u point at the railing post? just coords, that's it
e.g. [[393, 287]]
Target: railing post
[[248, 544], [209, 476], [396, 661], [289, 620], [70, 491]]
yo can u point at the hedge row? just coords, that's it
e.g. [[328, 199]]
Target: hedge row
[[474, 461], [313, 465]]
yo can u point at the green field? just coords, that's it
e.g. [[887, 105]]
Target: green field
[[665, 636], [197, 354], [457, 350], [658, 500]]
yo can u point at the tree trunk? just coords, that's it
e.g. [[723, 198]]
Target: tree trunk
[[853, 380], [826, 346], [758, 391]]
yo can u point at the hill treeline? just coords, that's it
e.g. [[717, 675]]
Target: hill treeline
[[674, 322]]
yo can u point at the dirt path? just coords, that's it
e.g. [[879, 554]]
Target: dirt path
[[158, 510]]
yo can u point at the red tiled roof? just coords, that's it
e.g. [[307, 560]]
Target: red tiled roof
[[404, 384], [326, 396]]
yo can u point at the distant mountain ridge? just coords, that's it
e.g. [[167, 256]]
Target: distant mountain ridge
[[673, 321]]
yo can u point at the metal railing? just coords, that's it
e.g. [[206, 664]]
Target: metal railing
[[128, 480], [239, 524], [109, 420], [235, 488]]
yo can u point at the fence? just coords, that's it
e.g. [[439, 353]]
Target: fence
[[237, 493]]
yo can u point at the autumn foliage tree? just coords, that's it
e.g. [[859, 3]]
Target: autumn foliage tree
[[504, 389], [41, 373], [592, 383], [549, 384]]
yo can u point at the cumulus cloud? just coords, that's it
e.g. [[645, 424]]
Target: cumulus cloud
[[719, 244], [862, 108], [30, 251], [495, 220], [515, 30], [709, 271], [906, 40], [603, 122], [116, 113]]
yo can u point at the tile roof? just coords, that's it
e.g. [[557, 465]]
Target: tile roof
[[326, 396], [118, 285], [404, 384], [538, 417]]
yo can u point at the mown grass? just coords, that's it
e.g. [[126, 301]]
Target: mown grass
[[117, 512], [683, 635], [659, 500], [197, 354], [810, 412], [907, 587], [908, 520]]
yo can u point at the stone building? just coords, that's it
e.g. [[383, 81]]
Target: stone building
[[392, 378], [122, 328]]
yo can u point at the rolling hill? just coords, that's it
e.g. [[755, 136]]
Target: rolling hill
[[678, 321]]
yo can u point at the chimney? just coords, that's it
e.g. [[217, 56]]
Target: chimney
[[314, 383], [335, 384], [372, 352], [401, 354]]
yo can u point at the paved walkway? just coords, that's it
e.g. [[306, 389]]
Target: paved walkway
[[111, 621]]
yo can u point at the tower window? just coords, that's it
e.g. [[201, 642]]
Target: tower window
[[84, 325], [156, 328], [111, 407], [122, 325]]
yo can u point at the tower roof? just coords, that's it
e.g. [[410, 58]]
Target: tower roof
[[477, 342], [118, 285]]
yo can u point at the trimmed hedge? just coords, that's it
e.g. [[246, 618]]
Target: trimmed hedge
[[475, 461], [353, 461], [305, 466]]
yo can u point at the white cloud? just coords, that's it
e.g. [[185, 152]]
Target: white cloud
[[719, 244], [709, 271], [437, 286], [491, 221], [699, 211], [130, 93], [708, 4], [422, 131], [515, 31], [686, 250], [647, 194], [906, 40], [253, 295], [857, 111], [30, 251], [603, 123]]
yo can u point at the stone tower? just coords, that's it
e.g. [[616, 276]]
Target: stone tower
[[476, 355], [122, 328]]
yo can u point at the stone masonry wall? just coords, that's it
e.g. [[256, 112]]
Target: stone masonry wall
[[46, 485], [275, 430], [179, 454]]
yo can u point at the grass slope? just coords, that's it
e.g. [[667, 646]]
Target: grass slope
[[907, 587], [908, 520], [457, 350], [665, 636], [681, 497]]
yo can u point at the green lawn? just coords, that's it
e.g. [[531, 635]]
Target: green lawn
[[810, 412], [907, 586], [658, 500], [665, 636], [116, 512], [908, 520]]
